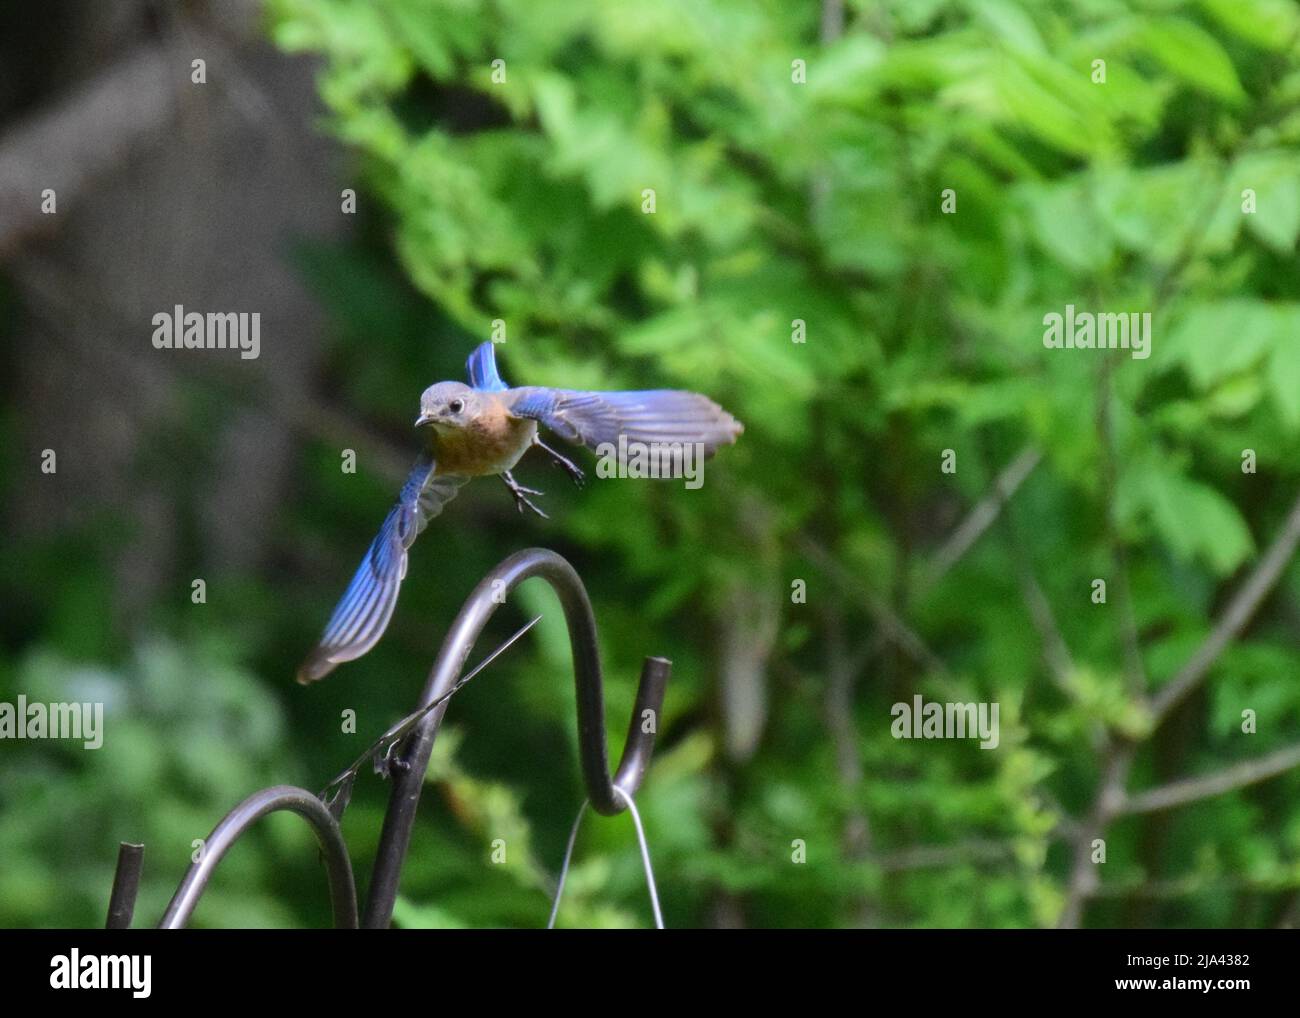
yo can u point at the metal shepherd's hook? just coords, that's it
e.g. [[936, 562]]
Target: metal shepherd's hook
[[407, 765], [412, 757]]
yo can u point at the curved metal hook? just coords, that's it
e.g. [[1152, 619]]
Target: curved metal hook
[[343, 893], [412, 758]]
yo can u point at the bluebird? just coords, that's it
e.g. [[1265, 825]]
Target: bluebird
[[485, 428]]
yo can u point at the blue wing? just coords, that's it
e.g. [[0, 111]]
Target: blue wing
[[656, 416], [362, 615], [482, 369]]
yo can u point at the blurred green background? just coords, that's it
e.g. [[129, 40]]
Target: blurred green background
[[522, 198]]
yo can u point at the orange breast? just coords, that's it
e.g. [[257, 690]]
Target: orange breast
[[493, 442]]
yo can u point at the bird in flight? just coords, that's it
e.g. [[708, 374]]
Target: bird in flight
[[484, 428]]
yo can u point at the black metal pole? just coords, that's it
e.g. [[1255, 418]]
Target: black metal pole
[[343, 894], [126, 886], [412, 758]]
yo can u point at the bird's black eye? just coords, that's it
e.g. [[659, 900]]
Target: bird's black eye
[[456, 406]]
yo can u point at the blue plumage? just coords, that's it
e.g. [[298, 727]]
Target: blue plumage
[[483, 428], [482, 369], [363, 612], [650, 417]]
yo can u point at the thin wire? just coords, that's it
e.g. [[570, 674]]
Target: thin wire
[[645, 857], [645, 860], [407, 723], [564, 868]]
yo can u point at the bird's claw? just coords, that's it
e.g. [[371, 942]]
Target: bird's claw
[[574, 471], [521, 495], [521, 501]]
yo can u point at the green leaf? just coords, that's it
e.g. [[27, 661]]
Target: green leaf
[[1269, 24], [844, 70], [1010, 23], [1148, 210], [1217, 339], [1036, 98], [1066, 225], [1284, 376], [1275, 179], [1194, 56], [1195, 521]]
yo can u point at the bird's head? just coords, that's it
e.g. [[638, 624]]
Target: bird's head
[[447, 406]]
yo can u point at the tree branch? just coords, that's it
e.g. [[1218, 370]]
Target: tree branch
[[84, 135], [1234, 618], [888, 620], [1110, 798], [1248, 772], [980, 518]]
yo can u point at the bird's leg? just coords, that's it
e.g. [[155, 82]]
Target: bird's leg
[[391, 762], [521, 494], [570, 468]]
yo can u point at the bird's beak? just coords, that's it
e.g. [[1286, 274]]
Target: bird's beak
[[423, 419]]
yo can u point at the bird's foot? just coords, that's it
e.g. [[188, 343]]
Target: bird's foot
[[521, 495], [574, 471], [522, 502], [389, 762]]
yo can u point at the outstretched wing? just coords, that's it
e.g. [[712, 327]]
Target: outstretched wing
[[362, 615], [656, 416], [482, 369]]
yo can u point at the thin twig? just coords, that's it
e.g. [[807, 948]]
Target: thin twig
[[981, 517], [894, 627], [1180, 887], [842, 669], [1055, 650], [1110, 798], [841, 673], [1248, 772], [832, 26], [1134, 672], [1118, 753], [1234, 618], [921, 857], [395, 734]]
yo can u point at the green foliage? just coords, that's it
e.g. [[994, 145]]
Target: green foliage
[[182, 732], [776, 201]]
